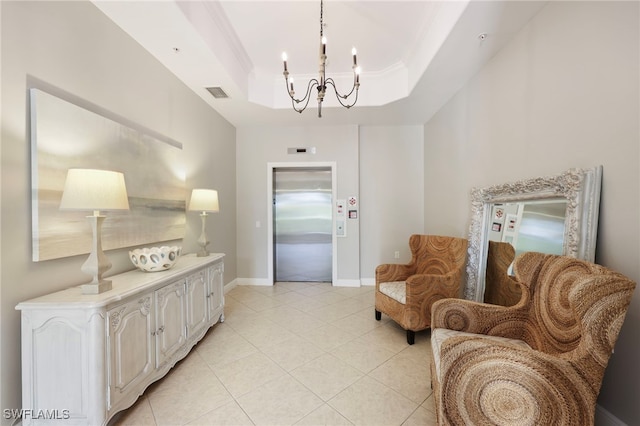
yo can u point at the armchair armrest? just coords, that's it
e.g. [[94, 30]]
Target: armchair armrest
[[389, 272], [524, 388], [480, 318]]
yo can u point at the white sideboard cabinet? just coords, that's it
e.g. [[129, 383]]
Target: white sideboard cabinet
[[87, 357]]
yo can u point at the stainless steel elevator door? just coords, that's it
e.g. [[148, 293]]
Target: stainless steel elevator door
[[302, 228]]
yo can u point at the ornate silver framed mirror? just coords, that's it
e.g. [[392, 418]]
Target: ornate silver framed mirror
[[554, 214]]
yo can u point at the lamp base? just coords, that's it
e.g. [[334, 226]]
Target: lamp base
[[97, 263], [202, 241], [96, 288]]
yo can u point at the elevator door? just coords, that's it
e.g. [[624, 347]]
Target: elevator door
[[302, 224]]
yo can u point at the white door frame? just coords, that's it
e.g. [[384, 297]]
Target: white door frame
[[334, 192]]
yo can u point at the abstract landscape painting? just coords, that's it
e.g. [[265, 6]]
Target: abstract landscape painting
[[65, 135]]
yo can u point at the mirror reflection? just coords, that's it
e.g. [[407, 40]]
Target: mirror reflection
[[516, 228], [530, 225], [553, 214]]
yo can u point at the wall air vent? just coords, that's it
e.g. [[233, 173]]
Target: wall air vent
[[217, 92], [311, 150]]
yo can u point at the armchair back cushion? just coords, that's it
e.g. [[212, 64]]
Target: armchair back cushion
[[437, 255], [572, 304]]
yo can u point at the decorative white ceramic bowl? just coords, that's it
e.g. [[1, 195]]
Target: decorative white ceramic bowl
[[154, 259]]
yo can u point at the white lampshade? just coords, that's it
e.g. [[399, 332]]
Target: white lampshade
[[89, 189], [204, 200]]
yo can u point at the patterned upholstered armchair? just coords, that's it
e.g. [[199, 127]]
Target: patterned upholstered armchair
[[539, 362], [406, 292]]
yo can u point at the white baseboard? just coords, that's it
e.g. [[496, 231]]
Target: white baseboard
[[605, 418], [347, 283], [368, 281], [253, 281], [230, 286], [265, 282]]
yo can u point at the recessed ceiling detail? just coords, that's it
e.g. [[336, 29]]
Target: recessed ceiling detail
[[414, 54]]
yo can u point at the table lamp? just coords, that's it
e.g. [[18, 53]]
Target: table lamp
[[204, 200], [89, 189]]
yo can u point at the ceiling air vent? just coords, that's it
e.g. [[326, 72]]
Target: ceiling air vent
[[217, 92], [311, 150]]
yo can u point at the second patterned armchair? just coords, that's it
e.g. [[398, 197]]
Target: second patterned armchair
[[540, 362], [406, 292]]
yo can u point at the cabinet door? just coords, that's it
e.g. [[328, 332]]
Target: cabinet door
[[216, 292], [197, 291], [130, 347], [171, 332]]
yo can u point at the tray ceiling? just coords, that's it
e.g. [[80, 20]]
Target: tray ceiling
[[414, 54]]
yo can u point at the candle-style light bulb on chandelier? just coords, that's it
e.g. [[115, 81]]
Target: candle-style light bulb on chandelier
[[322, 82]]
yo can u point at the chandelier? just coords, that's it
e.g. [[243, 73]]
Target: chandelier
[[322, 82]]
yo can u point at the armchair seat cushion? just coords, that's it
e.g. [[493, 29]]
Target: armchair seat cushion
[[439, 335], [397, 290]]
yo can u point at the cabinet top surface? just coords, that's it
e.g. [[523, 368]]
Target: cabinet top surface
[[124, 285]]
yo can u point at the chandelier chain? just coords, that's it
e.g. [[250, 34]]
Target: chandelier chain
[[321, 22]]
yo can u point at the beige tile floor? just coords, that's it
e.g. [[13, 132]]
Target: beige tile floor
[[295, 353]]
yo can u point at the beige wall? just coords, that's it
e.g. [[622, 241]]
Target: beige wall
[[564, 93], [74, 47], [258, 146], [380, 165], [391, 194]]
